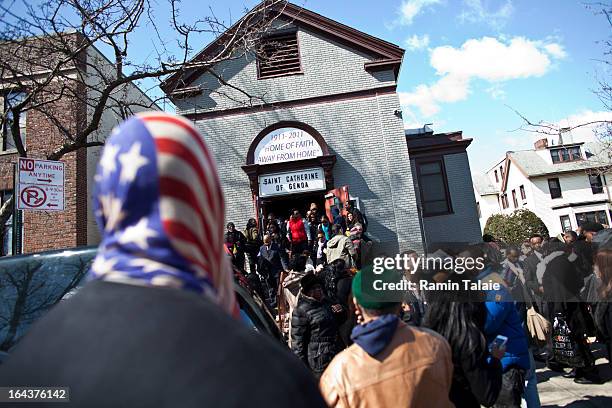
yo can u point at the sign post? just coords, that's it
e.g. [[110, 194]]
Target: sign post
[[41, 185], [16, 224]]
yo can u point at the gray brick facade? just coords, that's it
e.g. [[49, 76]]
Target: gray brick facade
[[364, 132], [462, 225], [329, 68]]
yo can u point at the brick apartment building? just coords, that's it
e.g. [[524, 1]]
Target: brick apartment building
[[44, 230]]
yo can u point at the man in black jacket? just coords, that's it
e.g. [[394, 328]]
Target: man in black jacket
[[314, 330], [271, 261], [337, 282], [531, 265], [583, 248], [562, 285]]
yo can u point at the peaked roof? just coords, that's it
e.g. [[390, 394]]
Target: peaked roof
[[483, 185], [388, 55], [531, 164]]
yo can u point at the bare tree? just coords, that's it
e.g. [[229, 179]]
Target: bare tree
[[45, 58]]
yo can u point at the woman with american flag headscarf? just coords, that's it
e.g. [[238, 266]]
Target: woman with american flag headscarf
[[152, 327], [161, 210]]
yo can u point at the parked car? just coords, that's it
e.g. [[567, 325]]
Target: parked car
[[31, 284]]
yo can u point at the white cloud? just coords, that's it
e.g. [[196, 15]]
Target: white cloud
[[497, 92], [555, 50], [475, 12], [410, 8], [492, 60], [417, 43], [426, 98], [487, 59]]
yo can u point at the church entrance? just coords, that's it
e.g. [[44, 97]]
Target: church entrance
[[282, 207]]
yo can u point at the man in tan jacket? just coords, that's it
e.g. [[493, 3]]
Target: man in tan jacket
[[390, 364], [340, 247]]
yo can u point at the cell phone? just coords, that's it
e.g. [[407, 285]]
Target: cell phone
[[499, 342]]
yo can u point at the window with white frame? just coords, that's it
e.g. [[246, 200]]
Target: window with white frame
[[10, 99]]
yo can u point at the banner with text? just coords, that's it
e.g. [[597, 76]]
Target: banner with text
[[286, 144], [292, 182]]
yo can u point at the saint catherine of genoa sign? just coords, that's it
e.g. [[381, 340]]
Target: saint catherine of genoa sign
[[292, 182], [40, 185]]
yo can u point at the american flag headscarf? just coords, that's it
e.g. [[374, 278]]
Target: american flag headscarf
[[160, 208]]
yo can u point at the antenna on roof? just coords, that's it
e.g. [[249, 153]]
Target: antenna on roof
[[561, 132]]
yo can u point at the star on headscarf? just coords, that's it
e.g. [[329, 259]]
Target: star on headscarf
[[138, 234], [108, 160], [149, 265], [131, 162], [111, 208], [102, 266]]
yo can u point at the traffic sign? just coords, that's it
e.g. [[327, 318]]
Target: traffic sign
[[40, 185]]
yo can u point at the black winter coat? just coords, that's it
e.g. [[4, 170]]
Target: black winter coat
[[531, 280], [562, 284], [271, 260], [585, 251], [314, 333], [118, 345], [476, 381]]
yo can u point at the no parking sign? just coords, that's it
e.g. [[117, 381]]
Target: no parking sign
[[41, 185]]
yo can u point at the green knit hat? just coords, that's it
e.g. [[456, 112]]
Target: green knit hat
[[376, 291]]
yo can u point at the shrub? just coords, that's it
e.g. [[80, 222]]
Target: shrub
[[516, 227]]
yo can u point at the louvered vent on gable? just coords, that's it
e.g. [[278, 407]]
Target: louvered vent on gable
[[278, 56]]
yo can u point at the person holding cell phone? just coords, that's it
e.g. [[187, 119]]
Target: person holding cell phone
[[502, 318], [477, 374]]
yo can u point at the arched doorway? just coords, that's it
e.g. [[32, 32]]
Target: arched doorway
[[289, 166]]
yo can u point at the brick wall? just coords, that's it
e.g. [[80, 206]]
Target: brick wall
[[328, 68], [44, 230]]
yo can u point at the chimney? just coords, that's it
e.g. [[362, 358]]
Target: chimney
[[541, 144]]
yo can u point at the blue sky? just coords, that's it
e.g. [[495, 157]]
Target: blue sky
[[468, 62]]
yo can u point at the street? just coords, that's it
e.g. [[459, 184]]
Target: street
[[557, 391]]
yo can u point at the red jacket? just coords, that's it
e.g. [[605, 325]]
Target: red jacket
[[298, 231]]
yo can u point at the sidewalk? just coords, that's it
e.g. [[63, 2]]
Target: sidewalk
[[556, 391]]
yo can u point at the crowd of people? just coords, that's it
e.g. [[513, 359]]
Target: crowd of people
[[272, 251], [157, 324], [565, 279], [552, 302]]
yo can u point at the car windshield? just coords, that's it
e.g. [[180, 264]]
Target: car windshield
[[30, 285]]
